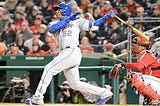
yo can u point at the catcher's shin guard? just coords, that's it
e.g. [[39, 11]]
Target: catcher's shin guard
[[145, 90]]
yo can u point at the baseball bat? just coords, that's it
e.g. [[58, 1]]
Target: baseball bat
[[135, 30]]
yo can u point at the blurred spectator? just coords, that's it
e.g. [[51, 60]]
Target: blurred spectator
[[83, 5], [3, 48], [156, 49], [14, 50], [76, 9], [155, 14], [64, 94], [52, 3], [31, 18], [156, 11], [71, 3], [1, 12], [9, 33], [22, 2], [19, 19], [97, 12], [124, 53], [36, 35], [84, 98], [132, 6], [24, 32], [46, 11], [106, 8], [37, 2], [85, 46], [5, 19], [140, 14], [49, 37], [10, 5], [90, 8], [109, 50], [28, 10], [53, 48], [43, 31], [37, 23], [97, 2], [122, 89], [20, 44], [124, 15], [27, 91], [36, 50], [101, 32], [91, 35], [20, 8], [89, 17], [117, 35]]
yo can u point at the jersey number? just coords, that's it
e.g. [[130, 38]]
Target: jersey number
[[67, 33]]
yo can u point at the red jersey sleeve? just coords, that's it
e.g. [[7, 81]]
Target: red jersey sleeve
[[135, 66]]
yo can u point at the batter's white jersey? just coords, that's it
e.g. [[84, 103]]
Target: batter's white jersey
[[69, 36]]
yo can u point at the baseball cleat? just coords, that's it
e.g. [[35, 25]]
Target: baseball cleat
[[34, 101], [104, 100], [29, 102]]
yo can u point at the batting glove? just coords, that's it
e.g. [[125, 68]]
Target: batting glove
[[111, 14], [74, 16]]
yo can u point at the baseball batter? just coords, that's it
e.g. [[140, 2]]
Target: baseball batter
[[69, 58], [147, 82]]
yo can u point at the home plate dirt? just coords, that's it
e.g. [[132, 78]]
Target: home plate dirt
[[20, 104]]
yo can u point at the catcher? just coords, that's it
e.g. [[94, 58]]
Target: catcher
[[147, 81]]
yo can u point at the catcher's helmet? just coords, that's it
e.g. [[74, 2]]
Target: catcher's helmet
[[66, 9], [138, 41]]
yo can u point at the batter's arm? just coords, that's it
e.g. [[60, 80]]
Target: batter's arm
[[62, 23], [101, 20]]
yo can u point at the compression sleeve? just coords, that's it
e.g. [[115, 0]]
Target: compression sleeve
[[59, 25], [100, 21]]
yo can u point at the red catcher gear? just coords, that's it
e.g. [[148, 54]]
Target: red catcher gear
[[136, 80], [138, 41]]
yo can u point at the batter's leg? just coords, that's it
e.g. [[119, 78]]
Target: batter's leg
[[72, 77]]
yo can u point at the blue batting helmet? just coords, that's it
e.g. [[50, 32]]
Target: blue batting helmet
[[66, 9]]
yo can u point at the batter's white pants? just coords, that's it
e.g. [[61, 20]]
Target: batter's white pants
[[68, 61]]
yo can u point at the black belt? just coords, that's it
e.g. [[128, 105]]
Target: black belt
[[69, 47]]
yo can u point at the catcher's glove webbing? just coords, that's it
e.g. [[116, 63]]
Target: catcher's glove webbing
[[114, 72]]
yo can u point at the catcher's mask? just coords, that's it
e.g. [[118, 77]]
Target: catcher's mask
[[138, 41]]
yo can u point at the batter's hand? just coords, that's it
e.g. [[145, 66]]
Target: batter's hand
[[74, 16], [111, 14]]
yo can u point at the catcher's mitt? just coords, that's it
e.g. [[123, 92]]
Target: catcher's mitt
[[113, 73]]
